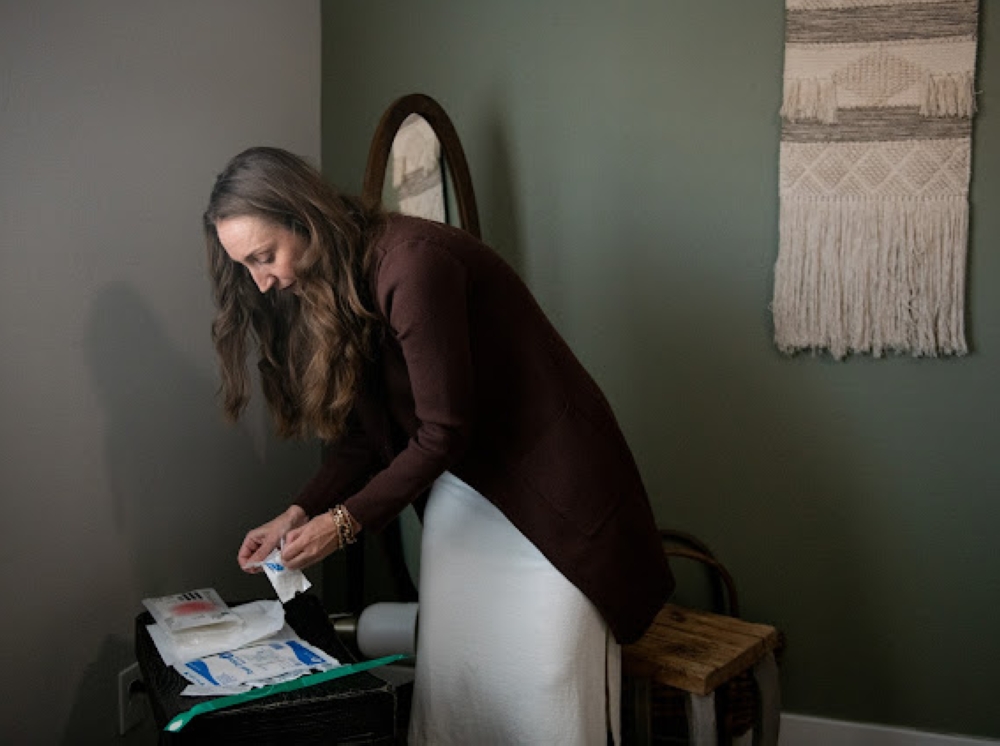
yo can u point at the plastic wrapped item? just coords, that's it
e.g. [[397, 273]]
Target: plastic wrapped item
[[189, 610], [258, 619], [256, 665]]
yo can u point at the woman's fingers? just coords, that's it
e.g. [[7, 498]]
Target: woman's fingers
[[292, 552], [257, 545], [261, 541], [247, 548]]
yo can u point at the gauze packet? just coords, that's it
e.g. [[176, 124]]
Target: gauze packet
[[192, 610], [259, 619], [286, 582], [257, 665]]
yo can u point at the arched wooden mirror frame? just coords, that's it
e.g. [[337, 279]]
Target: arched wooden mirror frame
[[468, 215], [451, 147]]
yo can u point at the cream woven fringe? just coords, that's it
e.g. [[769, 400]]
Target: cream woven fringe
[[871, 276], [815, 99], [952, 95]]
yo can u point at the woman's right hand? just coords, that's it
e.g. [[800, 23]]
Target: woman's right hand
[[262, 540]]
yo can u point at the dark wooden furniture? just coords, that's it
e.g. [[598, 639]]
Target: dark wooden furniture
[[697, 652], [701, 677]]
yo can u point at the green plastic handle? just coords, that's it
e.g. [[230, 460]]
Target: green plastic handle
[[219, 703]]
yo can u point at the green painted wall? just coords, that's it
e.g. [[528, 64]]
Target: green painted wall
[[625, 161]]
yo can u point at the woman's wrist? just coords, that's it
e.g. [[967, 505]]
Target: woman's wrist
[[296, 515]]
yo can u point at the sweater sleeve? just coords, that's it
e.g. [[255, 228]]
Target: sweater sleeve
[[346, 466], [423, 292]]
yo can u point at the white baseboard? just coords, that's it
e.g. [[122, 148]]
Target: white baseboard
[[804, 730]]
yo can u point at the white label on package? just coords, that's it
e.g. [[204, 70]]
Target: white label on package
[[257, 662]]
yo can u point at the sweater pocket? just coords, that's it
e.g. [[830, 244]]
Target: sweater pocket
[[581, 468]]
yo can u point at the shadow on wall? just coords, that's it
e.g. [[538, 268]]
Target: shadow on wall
[[94, 717], [182, 480], [496, 193], [185, 486]]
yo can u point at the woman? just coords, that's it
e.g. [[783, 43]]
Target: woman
[[420, 355]]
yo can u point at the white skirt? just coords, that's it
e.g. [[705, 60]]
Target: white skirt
[[508, 650]]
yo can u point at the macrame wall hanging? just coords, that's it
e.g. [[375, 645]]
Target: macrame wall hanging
[[874, 176]]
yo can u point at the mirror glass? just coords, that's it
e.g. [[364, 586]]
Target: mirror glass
[[417, 178]]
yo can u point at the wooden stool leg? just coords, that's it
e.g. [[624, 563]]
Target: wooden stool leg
[[701, 719], [769, 713], [642, 710]]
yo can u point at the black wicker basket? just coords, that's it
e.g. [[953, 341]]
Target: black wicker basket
[[356, 709]]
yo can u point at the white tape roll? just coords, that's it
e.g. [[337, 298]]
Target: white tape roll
[[387, 629]]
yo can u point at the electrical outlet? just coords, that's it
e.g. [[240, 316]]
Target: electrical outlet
[[131, 708]]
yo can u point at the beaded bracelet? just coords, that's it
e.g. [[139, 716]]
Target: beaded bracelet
[[345, 529]]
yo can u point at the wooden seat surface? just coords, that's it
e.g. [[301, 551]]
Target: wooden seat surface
[[697, 650]]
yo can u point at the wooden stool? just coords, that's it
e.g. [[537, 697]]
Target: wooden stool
[[698, 651]]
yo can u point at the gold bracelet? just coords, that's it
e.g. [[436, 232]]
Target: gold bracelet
[[335, 514], [345, 529], [348, 525]]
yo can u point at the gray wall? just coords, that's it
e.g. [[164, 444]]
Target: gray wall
[[119, 478], [625, 160]]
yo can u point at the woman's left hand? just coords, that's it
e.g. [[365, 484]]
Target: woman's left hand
[[308, 544]]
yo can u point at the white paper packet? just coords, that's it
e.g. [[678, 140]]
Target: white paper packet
[[258, 619], [207, 690], [190, 610], [286, 582], [256, 665]]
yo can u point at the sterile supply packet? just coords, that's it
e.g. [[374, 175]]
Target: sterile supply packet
[[286, 582], [183, 611], [257, 665], [259, 619], [207, 690]]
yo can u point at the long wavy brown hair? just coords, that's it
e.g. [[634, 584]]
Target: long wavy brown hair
[[314, 344]]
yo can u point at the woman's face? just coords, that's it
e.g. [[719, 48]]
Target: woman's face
[[267, 249]]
